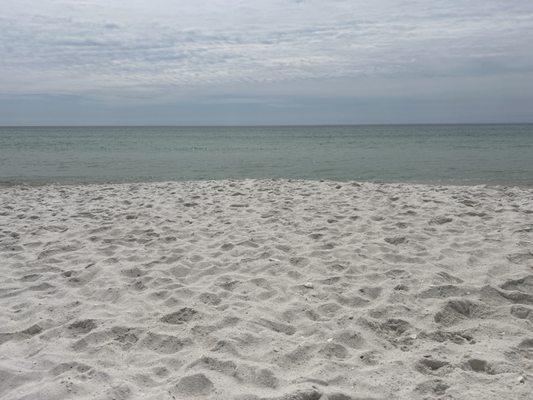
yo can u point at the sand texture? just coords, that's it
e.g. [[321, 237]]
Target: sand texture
[[286, 290]]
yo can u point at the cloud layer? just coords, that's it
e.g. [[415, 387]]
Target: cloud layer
[[118, 52]]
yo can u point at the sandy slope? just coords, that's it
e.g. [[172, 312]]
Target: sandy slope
[[266, 289]]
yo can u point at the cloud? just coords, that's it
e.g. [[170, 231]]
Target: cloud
[[163, 49]]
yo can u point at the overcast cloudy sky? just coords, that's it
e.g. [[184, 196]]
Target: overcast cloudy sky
[[265, 62]]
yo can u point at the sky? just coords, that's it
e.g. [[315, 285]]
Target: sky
[[250, 62]]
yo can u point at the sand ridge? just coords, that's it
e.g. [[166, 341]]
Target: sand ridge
[[266, 289]]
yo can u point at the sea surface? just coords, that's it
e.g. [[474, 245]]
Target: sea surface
[[456, 154]]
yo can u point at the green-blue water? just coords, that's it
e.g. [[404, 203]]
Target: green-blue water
[[417, 153]]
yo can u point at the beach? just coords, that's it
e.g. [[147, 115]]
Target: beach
[[266, 289]]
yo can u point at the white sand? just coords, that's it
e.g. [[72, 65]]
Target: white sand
[[266, 289]]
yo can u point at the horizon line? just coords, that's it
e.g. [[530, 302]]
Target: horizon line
[[253, 125]]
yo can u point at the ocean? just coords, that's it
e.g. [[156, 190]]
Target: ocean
[[454, 154]]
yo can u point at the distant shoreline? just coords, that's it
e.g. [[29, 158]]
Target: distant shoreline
[[261, 180]]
